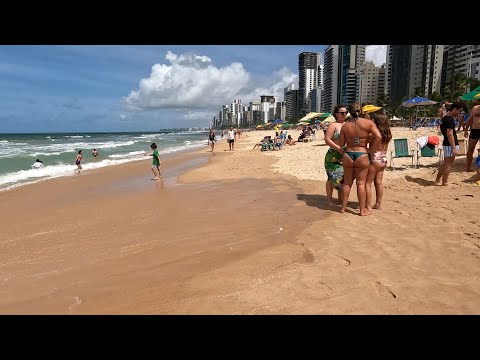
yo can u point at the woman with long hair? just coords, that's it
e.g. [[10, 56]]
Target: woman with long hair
[[334, 155], [378, 163], [354, 135], [212, 139]]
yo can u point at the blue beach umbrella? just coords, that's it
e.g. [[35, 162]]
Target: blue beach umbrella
[[417, 101]]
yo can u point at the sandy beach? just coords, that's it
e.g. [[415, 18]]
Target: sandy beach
[[240, 232]]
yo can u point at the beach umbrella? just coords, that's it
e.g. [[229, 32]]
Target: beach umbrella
[[329, 119], [310, 115], [472, 95], [370, 108], [417, 101]]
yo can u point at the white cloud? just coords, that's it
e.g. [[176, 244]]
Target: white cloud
[[193, 82], [376, 53], [123, 116]]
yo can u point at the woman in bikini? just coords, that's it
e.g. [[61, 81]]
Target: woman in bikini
[[78, 160], [378, 163], [354, 135], [334, 155]]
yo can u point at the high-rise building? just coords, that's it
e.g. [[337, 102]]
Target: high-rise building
[[316, 99], [280, 110], [308, 76], [474, 69], [268, 108], [351, 57], [255, 113], [291, 103], [330, 93], [381, 82], [408, 71], [388, 71], [236, 111], [433, 68], [457, 59], [367, 83]]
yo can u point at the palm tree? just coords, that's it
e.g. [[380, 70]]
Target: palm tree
[[457, 86]]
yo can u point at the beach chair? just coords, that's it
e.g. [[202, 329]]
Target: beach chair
[[401, 151], [426, 151], [432, 123]]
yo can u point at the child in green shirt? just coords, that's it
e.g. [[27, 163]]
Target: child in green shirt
[[155, 162]]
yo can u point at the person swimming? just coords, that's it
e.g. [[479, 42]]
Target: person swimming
[[37, 164]]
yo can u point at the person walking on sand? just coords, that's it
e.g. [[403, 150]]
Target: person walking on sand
[[354, 135], [450, 143], [378, 163], [223, 132], [334, 155], [231, 138], [472, 124], [157, 172], [78, 160], [211, 138]]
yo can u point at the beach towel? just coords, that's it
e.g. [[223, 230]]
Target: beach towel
[[334, 168], [422, 141]]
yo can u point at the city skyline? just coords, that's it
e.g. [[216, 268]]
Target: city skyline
[[129, 88]]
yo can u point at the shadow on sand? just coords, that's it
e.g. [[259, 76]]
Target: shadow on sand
[[320, 202], [420, 181]]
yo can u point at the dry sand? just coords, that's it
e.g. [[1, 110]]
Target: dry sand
[[247, 233]]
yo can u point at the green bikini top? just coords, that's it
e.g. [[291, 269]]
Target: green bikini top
[[336, 135]]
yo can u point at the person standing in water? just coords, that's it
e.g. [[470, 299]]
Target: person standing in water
[[157, 172], [78, 160], [211, 139]]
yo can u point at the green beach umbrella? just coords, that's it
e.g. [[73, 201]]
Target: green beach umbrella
[[472, 94]]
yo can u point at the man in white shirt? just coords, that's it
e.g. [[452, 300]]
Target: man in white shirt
[[231, 138]]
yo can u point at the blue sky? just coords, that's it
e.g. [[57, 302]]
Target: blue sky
[[138, 88]]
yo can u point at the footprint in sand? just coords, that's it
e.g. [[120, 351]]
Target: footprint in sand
[[328, 290], [383, 290], [346, 262]]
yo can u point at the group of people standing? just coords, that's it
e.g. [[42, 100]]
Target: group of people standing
[[450, 143], [357, 151]]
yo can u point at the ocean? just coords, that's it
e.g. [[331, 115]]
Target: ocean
[[58, 151]]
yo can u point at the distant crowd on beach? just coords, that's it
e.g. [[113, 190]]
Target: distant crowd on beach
[[358, 143]]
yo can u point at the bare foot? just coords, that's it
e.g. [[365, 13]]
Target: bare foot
[[444, 184], [342, 210], [377, 206], [365, 213], [437, 183]]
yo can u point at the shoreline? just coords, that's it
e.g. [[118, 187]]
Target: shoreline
[[241, 232]]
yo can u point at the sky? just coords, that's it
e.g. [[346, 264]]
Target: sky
[[80, 88]]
